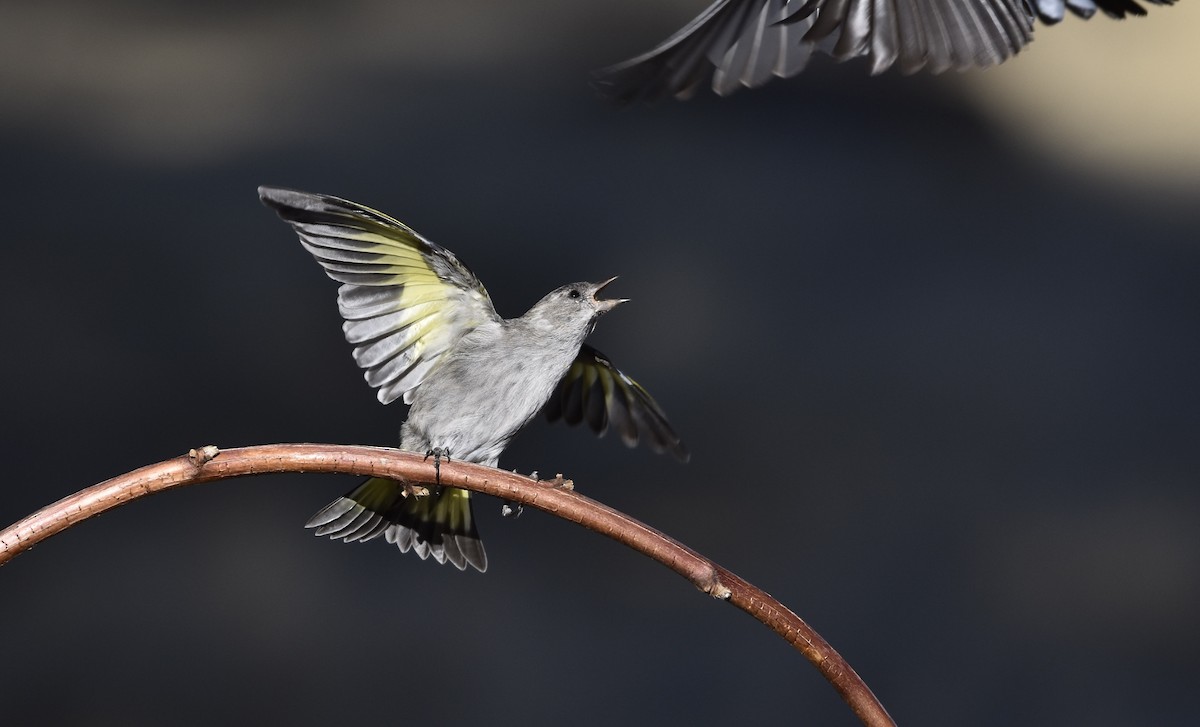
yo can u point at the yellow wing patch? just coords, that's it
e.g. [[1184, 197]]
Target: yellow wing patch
[[405, 300]]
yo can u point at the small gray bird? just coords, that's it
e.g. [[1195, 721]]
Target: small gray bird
[[424, 329]]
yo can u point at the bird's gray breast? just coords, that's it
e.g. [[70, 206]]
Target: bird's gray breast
[[488, 386]]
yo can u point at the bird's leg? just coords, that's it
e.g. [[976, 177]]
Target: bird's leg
[[438, 453]]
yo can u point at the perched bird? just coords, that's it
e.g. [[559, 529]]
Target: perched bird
[[424, 329], [746, 42]]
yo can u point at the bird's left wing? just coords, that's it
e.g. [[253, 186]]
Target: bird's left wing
[[595, 391], [405, 300], [745, 42]]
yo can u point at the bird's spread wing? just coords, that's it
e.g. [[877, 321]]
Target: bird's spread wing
[[595, 391], [1052, 11], [405, 300], [746, 42]]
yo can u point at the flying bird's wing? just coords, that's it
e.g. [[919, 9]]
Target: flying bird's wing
[[1052, 11], [746, 42], [595, 391], [748, 29], [405, 300]]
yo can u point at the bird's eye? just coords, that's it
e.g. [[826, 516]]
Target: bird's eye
[[573, 293]]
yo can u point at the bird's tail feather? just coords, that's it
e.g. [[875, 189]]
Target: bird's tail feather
[[441, 524]]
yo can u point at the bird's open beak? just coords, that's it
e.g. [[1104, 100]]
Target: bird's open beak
[[606, 304]]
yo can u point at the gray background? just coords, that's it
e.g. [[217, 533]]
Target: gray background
[[933, 343]]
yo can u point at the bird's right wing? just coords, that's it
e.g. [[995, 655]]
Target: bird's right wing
[[595, 391], [405, 300], [745, 42]]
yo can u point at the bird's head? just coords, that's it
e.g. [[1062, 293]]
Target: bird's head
[[573, 307]]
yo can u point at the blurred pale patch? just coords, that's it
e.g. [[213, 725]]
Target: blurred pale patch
[[1115, 97]]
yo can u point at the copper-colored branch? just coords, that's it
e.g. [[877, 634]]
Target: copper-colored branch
[[553, 496]]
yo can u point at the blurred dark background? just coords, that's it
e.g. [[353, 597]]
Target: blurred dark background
[[933, 343]]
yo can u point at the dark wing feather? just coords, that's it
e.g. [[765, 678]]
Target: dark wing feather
[[746, 41], [1052, 11], [598, 393]]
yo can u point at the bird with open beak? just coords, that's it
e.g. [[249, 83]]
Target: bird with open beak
[[424, 330]]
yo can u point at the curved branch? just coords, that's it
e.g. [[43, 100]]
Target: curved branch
[[553, 496]]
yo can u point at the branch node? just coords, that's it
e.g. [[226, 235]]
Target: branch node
[[711, 584], [414, 490], [203, 455]]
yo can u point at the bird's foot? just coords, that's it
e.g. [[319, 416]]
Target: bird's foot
[[562, 484], [438, 453], [514, 509]]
